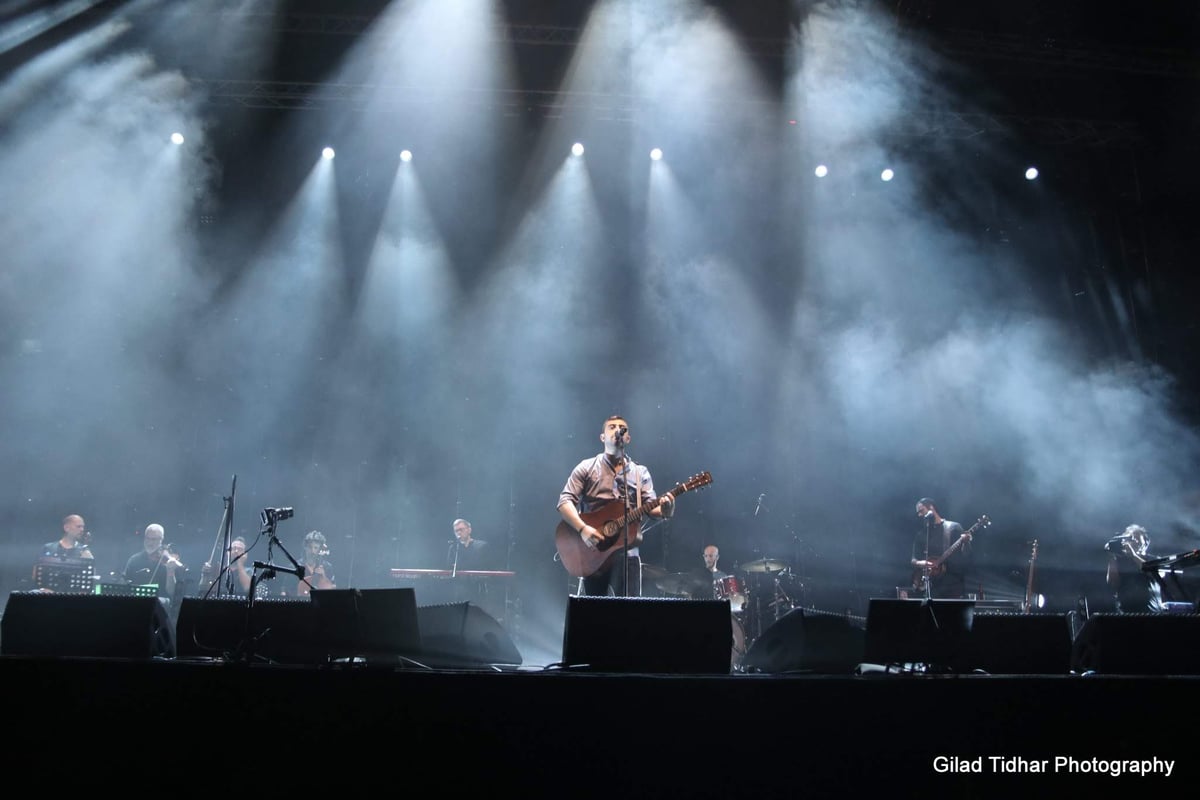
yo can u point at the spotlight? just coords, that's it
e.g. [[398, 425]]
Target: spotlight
[[887, 175], [327, 153], [656, 154], [1031, 173], [821, 171], [577, 149], [177, 138], [406, 155]]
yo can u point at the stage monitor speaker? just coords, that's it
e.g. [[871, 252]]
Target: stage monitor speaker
[[1138, 644], [809, 641], [1019, 644], [375, 624], [619, 634], [226, 628], [464, 635], [930, 632], [86, 625]]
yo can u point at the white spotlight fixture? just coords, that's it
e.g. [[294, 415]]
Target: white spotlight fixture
[[177, 138], [821, 171], [887, 175], [406, 155], [656, 154], [577, 149], [1031, 173], [327, 153]]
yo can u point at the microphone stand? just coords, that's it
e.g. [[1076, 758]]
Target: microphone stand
[[620, 443], [454, 565], [269, 570], [226, 532]]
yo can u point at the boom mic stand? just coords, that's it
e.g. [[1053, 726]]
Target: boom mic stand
[[270, 519]]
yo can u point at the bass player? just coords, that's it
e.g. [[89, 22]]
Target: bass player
[[611, 476], [946, 575]]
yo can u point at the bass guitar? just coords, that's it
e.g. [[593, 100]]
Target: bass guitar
[[1027, 606], [937, 567], [582, 561]]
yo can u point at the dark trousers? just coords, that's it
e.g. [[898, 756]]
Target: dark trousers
[[612, 582]]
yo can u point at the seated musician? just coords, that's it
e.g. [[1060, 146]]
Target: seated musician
[[466, 552], [711, 556], [154, 564], [71, 547], [318, 571], [236, 580], [73, 543]]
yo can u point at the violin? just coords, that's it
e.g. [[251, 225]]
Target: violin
[[169, 559]]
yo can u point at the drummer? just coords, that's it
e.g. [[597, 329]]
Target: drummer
[[711, 556], [724, 585]]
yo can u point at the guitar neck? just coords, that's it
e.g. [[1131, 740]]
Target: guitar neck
[[954, 548]]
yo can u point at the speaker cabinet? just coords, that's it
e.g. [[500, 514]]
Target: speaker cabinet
[[932, 632], [1019, 644], [85, 625], [377, 624], [274, 630], [618, 634], [463, 634], [808, 642], [1138, 644]]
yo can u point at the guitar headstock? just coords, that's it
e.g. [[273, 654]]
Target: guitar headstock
[[982, 522], [694, 482]]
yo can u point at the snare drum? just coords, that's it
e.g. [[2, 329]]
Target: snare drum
[[730, 588]]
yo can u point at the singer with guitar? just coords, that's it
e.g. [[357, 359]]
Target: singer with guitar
[[939, 559], [611, 480]]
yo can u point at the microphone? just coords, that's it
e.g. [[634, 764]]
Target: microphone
[[622, 430]]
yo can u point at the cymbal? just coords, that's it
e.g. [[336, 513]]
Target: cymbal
[[683, 583], [764, 565], [653, 571]]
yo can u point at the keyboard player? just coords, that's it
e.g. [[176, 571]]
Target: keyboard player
[[466, 552], [1135, 590]]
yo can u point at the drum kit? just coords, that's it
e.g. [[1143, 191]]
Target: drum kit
[[768, 592]]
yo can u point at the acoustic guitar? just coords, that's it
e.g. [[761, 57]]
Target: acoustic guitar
[[582, 561]]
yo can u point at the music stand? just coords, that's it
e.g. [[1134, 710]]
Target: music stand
[[65, 575]]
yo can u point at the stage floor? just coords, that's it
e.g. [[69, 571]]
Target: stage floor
[[551, 732]]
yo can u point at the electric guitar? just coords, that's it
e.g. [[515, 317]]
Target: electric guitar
[[937, 568], [582, 561]]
